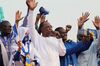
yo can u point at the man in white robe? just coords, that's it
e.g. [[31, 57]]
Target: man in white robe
[[48, 47], [89, 57]]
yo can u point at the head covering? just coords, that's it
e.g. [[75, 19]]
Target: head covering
[[86, 32], [93, 31]]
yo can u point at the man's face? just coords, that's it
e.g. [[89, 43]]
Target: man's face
[[46, 29], [63, 34], [6, 28]]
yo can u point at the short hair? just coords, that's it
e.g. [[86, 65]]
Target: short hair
[[59, 29], [4, 22]]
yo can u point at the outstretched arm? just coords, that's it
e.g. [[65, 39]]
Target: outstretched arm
[[78, 47], [31, 24], [18, 18], [83, 19], [96, 23]]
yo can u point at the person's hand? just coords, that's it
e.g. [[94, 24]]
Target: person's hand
[[18, 17], [83, 19], [31, 4], [96, 22], [19, 45], [68, 28], [37, 18], [55, 34], [42, 19]]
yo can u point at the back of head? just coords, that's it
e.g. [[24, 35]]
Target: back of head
[[63, 33], [59, 29], [5, 22]]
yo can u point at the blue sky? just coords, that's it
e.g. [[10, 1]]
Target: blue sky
[[62, 12]]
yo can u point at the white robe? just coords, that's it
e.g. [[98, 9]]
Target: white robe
[[13, 48], [4, 54], [49, 48], [89, 57]]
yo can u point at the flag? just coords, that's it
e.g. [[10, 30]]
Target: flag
[[28, 61]]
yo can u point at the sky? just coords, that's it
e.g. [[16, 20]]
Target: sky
[[61, 12]]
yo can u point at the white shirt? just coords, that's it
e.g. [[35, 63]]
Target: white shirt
[[89, 57], [49, 48]]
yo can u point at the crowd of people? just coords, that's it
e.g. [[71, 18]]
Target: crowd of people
[[35, 43]]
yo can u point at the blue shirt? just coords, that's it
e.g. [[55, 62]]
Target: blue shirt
[[72, 51]]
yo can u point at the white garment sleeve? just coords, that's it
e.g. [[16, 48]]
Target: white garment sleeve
[[61, 48], [32, 31]]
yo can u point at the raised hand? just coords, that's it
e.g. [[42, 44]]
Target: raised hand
[[31, 4], [96, 22], [38, 17], [68, 28], [18, 17], [83, 19], [42, 19], [19, 45]]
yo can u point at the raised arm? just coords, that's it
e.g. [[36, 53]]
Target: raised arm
[[18, 18], [96, 23], [24, 24], [79, 46], [83, 19], [31, 24]]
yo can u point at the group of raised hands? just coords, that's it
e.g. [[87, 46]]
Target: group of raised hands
[[85, 17], [32, 4]]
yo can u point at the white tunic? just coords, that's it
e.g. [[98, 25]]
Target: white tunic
[[89, 57], [49, 48], [4, 54]]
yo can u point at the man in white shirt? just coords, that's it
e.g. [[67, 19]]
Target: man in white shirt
[[48, 47]]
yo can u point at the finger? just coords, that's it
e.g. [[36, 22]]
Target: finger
[[21, 18], [93, 23], [33, 1], [87, 13], [17, 12], [36, 4], [27, 2]]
